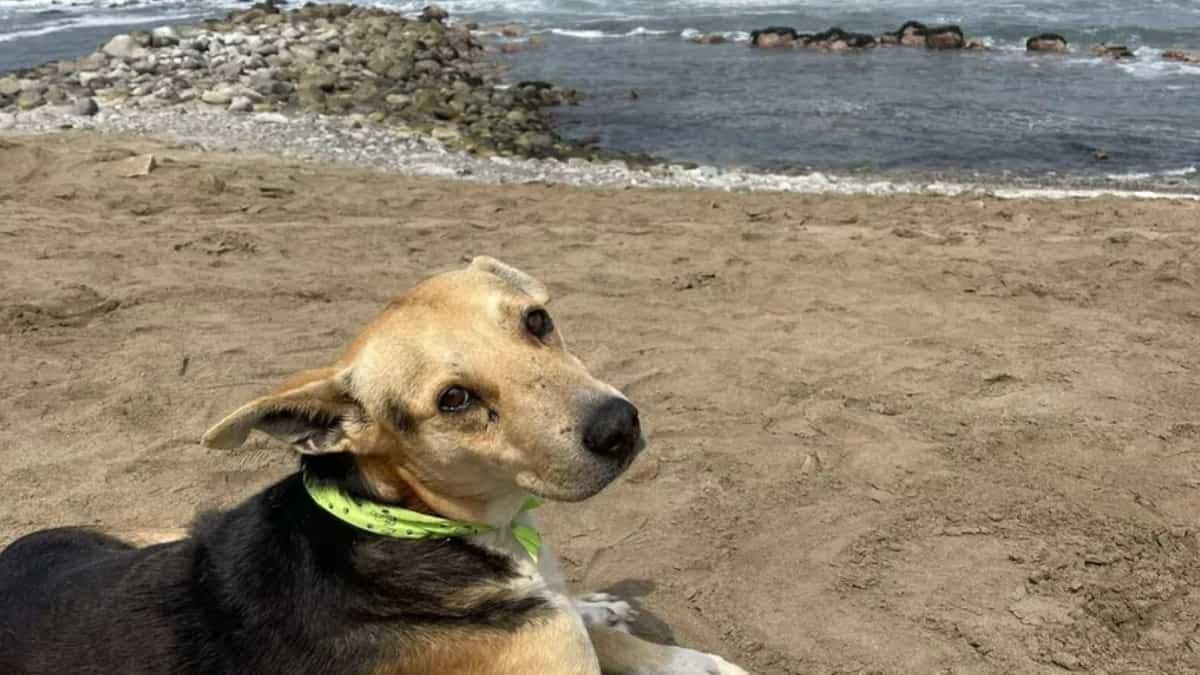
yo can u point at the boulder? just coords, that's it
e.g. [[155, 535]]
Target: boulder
[[85, 107], [241, 104], [1046, 42], [911, 34], [28, 100], [774, 37], [1114, 52], [944, 37], [434, 14], [1182, 55], [10, 86], [164, 36], [837, 39], [123, 47]]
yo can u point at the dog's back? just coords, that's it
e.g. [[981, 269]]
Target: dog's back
[[68, 587]]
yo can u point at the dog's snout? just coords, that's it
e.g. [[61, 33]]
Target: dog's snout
[[613, 429]]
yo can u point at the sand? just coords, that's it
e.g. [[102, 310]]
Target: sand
[[906, 434]]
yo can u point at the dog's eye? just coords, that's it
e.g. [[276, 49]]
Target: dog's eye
[[454, 399], [538, 323]]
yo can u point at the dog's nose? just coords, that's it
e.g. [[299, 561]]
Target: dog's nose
[[613, 429]]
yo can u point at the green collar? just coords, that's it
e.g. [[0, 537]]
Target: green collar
[[393, 521]]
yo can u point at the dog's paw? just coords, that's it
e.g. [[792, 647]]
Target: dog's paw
[[691, 662], [602, 609]]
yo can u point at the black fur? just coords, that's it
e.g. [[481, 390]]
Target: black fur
[[275, 585]]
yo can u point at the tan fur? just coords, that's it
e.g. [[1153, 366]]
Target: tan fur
[[557, 645], [148, 536]]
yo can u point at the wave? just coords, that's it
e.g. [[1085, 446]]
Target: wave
[[1138, 177], [640, 31]]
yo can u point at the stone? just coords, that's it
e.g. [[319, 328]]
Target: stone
[[534, 142], [28, 100], [7, 121], [123, 47], [912, 34], [241, 104], [774, 37], [1046, 42], [164, 36], [136, 166], [398, 100], [1182, 55], [92, 80], [217, 96], [1112, 51], [708, 39], [94, 61], [85, 107], [10, 86], [434, 14], [944, 37]]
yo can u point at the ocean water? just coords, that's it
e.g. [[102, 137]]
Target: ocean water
[[1000, 115]]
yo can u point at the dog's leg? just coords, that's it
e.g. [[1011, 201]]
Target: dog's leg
[[623, 654]]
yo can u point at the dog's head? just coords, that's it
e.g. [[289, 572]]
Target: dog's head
[[461, 393]]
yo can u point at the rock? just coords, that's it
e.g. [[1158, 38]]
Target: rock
[[398, 100], [838, 39], [94, 61], [7, 121], [912, 34], [944, 37], [10, 86], [1046, 42], [535, 143], [92, 80], [220, 96], [1114, 52], [164, 36], [85, 107], [976, 44], [133, 167], [123, 47], [1182, 55], [708, 39], [28, 100], [241, 104], [774, 37], [433, 13]]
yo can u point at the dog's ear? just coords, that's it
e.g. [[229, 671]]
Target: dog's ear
[[307, 412], [513, 277]]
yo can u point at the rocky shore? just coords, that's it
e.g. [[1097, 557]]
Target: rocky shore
[[368, 65]]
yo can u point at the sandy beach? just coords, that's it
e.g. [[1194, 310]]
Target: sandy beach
[[901, 434]]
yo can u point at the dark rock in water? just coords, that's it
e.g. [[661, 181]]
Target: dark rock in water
[[774, 37], [837, 39], [433, 13], [85, 107], [1182, 55], [911, 34], [944, 37], [1046, 42], [1114, 52]]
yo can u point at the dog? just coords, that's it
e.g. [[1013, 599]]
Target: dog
[[404, 545]]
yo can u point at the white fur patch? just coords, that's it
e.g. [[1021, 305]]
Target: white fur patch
[[602, 609]]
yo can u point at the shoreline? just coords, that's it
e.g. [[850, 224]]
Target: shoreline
[[420, 96], [357, 143]]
